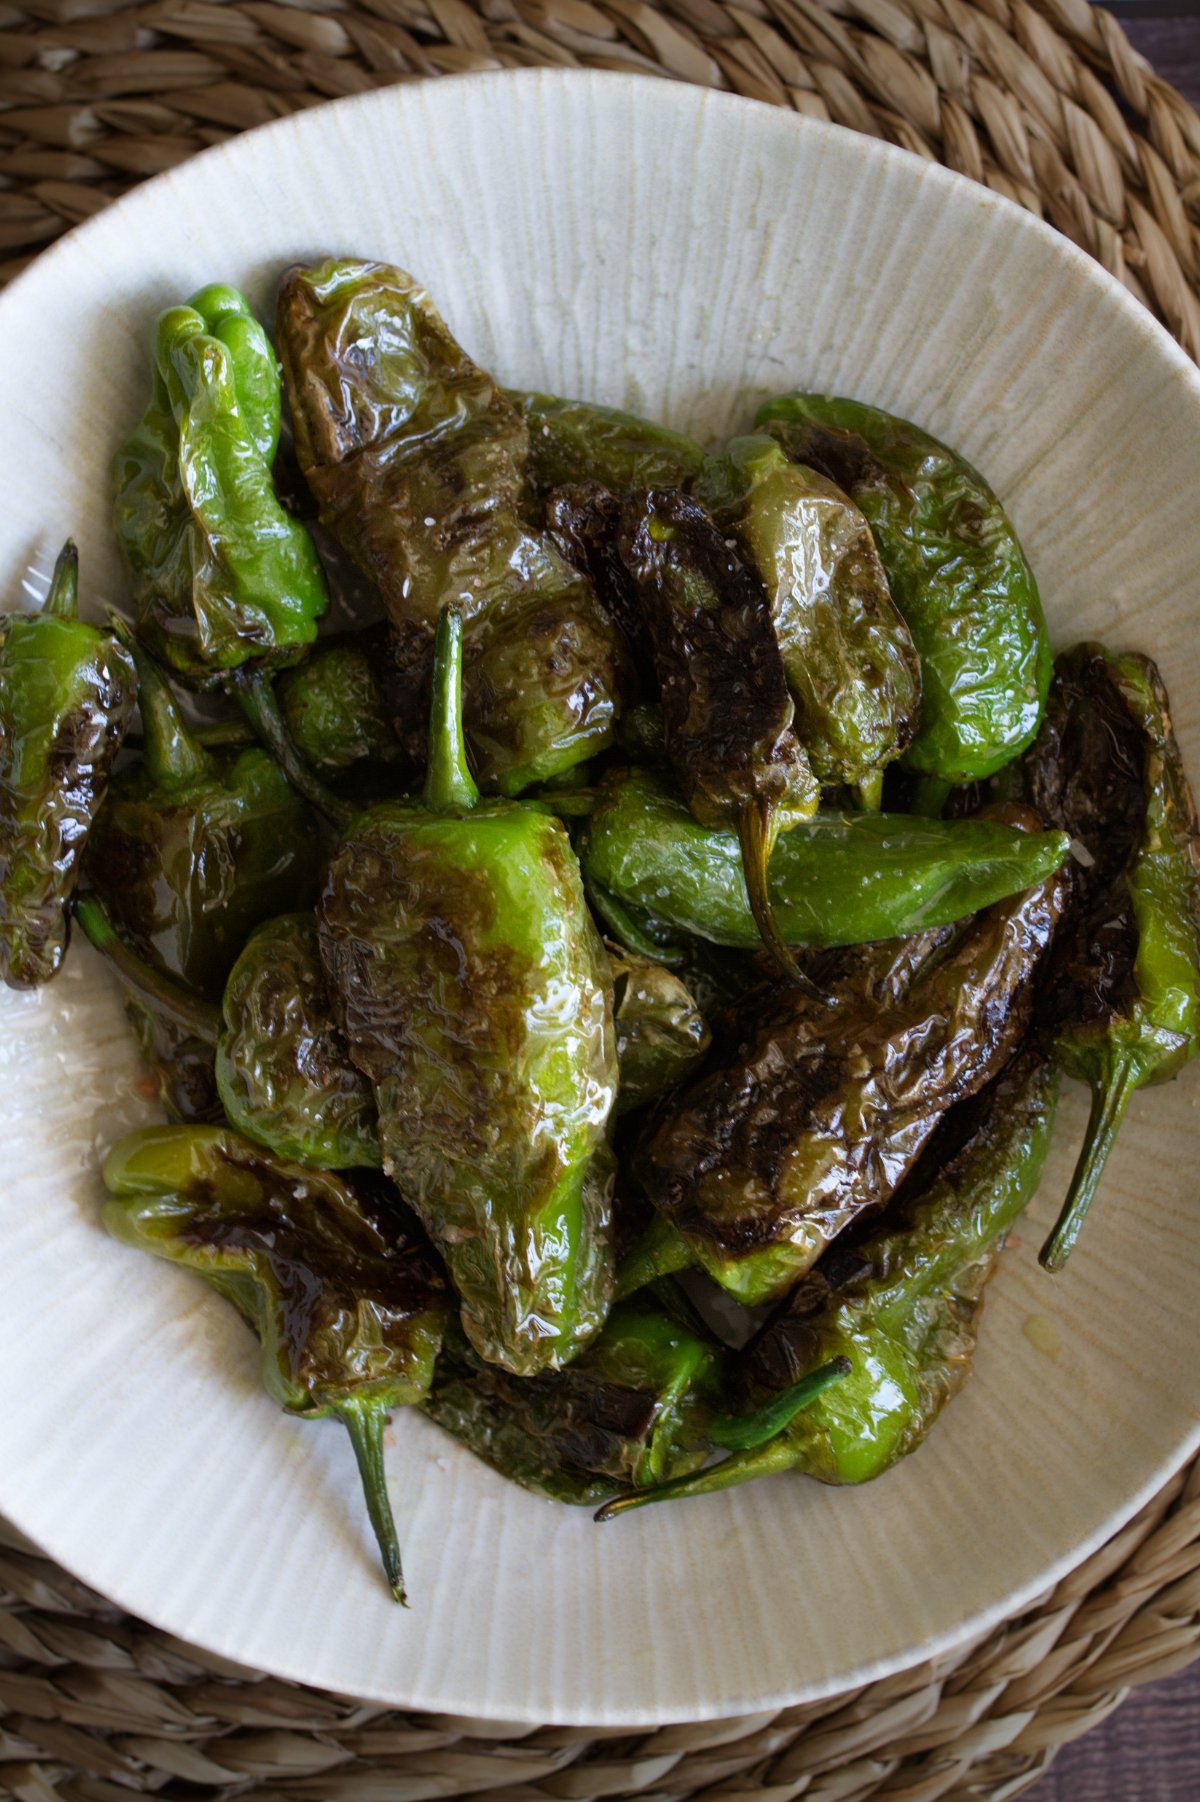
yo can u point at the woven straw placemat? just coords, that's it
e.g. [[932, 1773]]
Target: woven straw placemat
[[1045, 101]]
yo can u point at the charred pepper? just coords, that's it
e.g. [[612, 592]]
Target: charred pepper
[[335, 709], [344, 1297], [902, 1308], [470, 983], [838, 879], [956, 572], [418, 465], [819, 1112], [578, 441], [1121, 1002], [661, 1033], [284, 1069], [66, 695]]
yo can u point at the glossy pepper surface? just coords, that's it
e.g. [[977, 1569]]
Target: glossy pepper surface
[[817, 1112], [1121, 1002], [196, 847], [644, 1404], [66, 695], [579, 441], [838, 879], [336, 711], [956, 572], [471, 985], [661, 1033], [418, 464], [220, 573], [283, 1066], [347, 1304], [902, 1308], [850, 661]]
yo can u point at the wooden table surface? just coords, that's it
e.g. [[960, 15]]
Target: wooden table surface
[[1149, 1750]]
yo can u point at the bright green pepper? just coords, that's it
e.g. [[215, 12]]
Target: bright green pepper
[[956, 572], [902, 1308], [66, 695], [194, 848], [1121, 1004], [471, 985], [838, 879], [220, 573], [283, 1067], [346, 1302], [578, 441]]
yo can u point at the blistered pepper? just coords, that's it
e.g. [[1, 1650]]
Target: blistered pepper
[[661, 1033], [901, 1308], [579, 441], [335, 709], [194, 847], [838, 879], [956, 572], [66, 695], [817, 1112], [347, 1303], [418, 464], [471, 985], [1121, 1001], [283, 1066]]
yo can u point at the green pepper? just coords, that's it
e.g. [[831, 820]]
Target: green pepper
[[1121, 1003], [66, 695], [471, 985], [334, 707], [838, 879], [418, 465], [577, 441], [850, 661], [956, 572], [345, 1299], [220, 573], [902, 1308], [643, 1404], [661, 1033], [283, 1067], [194, 847], [816, 1112]]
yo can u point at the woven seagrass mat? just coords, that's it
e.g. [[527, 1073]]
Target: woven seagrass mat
[[1045, 101]]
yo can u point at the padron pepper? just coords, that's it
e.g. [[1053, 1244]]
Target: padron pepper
[[837, 879], [1121, 1001], [850, 661], [956, 572], [334, 707], [221, 574], [816, 1113], [472, 987], [194, 847], [901, 1308], [418, 464], [661, 1033], [66, 695], [642, 1405], [283, 1067], [346, 1301], [580, 441]]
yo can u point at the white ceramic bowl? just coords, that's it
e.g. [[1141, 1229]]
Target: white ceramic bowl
[[686, 254]]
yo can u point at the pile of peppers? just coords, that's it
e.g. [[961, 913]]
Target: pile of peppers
[[606, 917]]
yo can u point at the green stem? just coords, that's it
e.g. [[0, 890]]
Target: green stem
[[930, 795], [449, 785], [661, 1251], [252, 689], [757, 838], [780, 1453], [1109, 1102], [63, 598], [869, 792], [364, 1421], [160, 991], [742, 1432], [172, 756]]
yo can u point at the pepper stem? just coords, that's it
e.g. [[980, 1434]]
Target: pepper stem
[[63, 598], [449, 785], [160, 991], [364, 1420], [869, 792], [930, 794], [757, 836], [172, 756], [661, 1251], [252, 689], [1109, 1102], [780, 1453], [742, 1432]]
